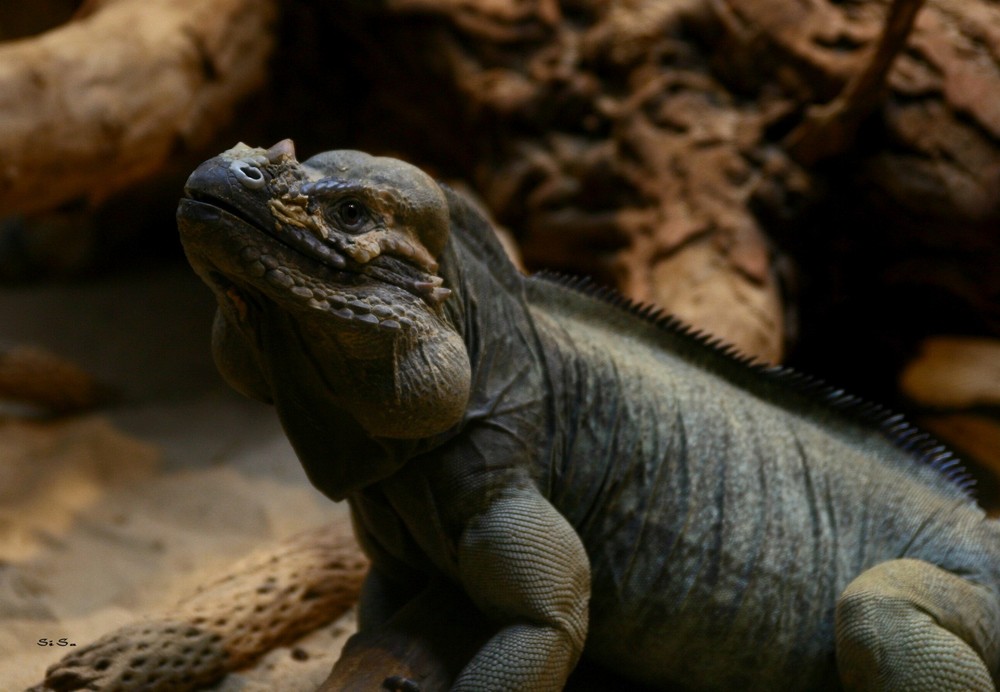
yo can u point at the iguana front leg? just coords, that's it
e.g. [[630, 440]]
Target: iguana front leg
[[382, 597], [523, 565], [421, 646], [909, 625]]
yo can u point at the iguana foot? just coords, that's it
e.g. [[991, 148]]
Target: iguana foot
[[908, 625], [397, 683]]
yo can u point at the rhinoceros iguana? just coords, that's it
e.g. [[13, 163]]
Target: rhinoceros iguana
[[597, 479]]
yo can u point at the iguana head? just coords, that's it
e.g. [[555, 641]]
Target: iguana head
[[326, 271]]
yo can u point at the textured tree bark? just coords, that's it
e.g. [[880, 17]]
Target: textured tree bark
[[646, 143], [107, 99], [831, 129]]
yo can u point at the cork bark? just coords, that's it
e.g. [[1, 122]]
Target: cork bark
[[270, 598]]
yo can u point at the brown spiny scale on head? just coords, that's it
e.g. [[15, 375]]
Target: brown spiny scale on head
[[292, 208], [432, 289], [365, 248], [380, 206]]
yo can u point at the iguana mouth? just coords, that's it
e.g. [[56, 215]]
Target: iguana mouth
[[341, 275], [297, 240]]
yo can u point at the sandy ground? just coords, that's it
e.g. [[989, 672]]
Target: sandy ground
[[110, 517]]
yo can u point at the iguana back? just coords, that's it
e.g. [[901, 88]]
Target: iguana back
[[725, 506]]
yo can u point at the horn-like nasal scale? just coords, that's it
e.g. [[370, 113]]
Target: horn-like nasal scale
[[283, 150]]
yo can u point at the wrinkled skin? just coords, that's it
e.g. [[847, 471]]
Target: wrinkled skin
[[587, 475]]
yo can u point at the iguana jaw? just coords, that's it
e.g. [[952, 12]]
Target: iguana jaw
[[249, 264]]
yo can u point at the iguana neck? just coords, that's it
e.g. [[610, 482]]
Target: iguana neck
[[490, 311], [337, 453]]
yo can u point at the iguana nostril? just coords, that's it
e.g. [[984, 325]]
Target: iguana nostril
[[248, 174]]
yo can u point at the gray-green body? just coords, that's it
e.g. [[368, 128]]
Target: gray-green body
[[583, 470], [724, 510]]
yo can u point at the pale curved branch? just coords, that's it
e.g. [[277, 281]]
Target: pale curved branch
[[106, 99]]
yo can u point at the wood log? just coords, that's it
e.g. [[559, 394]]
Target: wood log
[[108, 98], [954, 373], [606, 158], [46, 383]]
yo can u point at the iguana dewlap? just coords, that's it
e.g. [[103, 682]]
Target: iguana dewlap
[[599, 481]]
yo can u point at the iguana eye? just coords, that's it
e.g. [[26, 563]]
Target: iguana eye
[[351, 214]]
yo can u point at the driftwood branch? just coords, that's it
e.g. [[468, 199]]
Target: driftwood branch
[[937, 157], [107, 99], [47, 383], [830, 129]]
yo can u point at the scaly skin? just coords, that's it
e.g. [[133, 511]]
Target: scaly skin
[[597, 481]]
